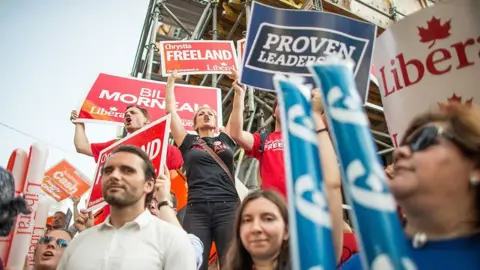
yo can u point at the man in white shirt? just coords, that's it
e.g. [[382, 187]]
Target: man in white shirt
[[131, 237]]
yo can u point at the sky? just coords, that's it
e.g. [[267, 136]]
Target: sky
[[50, 54]]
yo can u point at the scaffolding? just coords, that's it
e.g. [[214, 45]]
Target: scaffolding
[[227, 19]]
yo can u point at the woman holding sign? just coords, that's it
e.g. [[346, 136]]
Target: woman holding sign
[[212, 196], [436, 181]]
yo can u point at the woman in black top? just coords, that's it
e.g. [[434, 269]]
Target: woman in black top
[[212, 196]]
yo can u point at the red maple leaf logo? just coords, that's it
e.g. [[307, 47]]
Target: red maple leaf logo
[[455, 99], [434, 31]]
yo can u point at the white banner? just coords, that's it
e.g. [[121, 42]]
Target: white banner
[[429, 58]]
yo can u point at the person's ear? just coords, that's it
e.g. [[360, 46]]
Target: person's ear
[[286, 236], [149, 185]]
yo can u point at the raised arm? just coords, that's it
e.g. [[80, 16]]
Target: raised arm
[[331, 175], [162, 193], [235, 124], [176, 125], [80, 139]]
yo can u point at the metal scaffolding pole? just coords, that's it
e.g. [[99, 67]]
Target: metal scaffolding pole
[[381, 134], [250, 90], [265, 104], [200, 29], [269, 120], [382, 143], [318, 5], [249, 172], [143, 39], [214, 33], [386, 151], [197, 33], [242, 153], [204, 80], [152, 48], [225, 98], [373, 107], [235, 25], [177, 21]]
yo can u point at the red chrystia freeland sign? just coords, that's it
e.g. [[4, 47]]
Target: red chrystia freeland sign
[[426, 58], [110, 95], [198, 57]]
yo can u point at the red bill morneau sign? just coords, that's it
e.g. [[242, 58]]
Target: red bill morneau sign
[[198, 57], [110, 95], [153, 139]]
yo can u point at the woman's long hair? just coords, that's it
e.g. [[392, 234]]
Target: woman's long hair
[[238, 257]]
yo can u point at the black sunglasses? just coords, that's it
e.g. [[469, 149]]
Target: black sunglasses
[[428, 136], [61, 243]]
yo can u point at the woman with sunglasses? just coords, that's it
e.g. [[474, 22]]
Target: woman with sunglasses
[[436, 182]]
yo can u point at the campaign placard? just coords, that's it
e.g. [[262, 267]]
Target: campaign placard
[[110, 95], [241, 50], [153, 139], [198, 57], [428, 59], [281, 41], [63, 180]]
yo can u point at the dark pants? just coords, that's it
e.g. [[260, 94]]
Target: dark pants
[[211, 221]]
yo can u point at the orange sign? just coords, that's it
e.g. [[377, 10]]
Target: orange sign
[[179, 187], [50, 188], [63, 181]]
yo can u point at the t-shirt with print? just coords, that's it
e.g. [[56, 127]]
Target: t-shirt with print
[[461, 253], [272, 168], [173, 160], [207, 181]]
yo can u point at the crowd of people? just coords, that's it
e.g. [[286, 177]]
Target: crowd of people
[[435, 179]]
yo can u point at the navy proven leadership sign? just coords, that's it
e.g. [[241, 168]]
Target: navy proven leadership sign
[[287, 41]]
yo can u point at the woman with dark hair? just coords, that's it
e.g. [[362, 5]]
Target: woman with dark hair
[[212, 195], [436, 182], [261, 233]]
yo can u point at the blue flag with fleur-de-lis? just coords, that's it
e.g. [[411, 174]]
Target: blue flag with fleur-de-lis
[[309, 218]]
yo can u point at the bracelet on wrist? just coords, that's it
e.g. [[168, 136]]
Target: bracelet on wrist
[[164, 203], [322, 130]]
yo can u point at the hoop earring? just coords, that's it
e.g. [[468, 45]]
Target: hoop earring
[[474, 180]]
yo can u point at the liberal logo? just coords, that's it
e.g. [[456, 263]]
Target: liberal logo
[[290, 50]]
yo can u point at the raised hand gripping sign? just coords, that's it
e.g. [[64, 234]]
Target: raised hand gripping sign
[[309, 217], [379, 230]]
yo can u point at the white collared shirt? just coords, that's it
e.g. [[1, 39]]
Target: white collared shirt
[[146, 243]]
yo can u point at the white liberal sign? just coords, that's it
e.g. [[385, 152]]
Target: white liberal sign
[[428, 58]]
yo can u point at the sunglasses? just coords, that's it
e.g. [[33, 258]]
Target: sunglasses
[[428, 136], [61, 243]]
